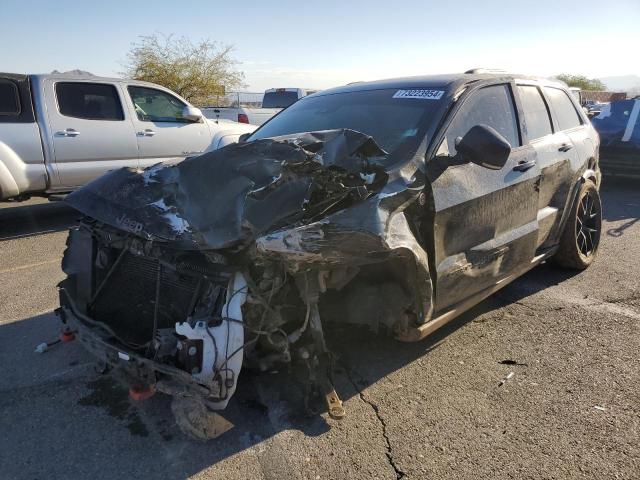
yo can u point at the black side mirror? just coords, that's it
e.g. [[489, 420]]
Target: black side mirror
[[484, 146], [243, 137]]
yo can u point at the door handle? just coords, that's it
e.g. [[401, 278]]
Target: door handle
[[565, 147], [146, 133], [69, 132], [523, 165]]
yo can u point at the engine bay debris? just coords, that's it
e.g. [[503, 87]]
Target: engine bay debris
[[239, 258]]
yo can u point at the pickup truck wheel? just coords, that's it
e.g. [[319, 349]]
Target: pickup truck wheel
[[581, 236]]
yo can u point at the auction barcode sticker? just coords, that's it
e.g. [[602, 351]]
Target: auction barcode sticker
[[419, 93]]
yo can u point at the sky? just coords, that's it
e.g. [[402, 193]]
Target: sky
[[322, 44]]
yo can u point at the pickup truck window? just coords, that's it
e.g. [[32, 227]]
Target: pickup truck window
[[536, 114], [492, 106], [564, 109], [279, 99], [91, 101], [156, 106], [9, 99]]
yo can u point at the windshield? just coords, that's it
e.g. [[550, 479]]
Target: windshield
[[392, 122], [279, 99]]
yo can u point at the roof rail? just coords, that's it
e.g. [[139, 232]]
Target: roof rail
[[486, 70]]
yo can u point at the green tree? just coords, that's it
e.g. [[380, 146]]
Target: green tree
[[198, 72], [581, 82]]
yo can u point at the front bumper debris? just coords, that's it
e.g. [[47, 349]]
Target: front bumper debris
[[181, 275]]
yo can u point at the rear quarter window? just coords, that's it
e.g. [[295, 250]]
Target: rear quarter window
[[536, 114], [9, 98], [564, 109]]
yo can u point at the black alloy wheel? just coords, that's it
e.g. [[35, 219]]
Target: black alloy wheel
[[581, 235], [588, 223]]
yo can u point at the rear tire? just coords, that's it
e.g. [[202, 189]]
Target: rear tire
[[581, 235]]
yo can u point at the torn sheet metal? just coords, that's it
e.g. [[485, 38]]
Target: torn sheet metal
[[230, 196], [289, 195], [272, 226]]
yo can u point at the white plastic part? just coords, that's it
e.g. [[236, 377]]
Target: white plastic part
[[41, 348], [229, 339]]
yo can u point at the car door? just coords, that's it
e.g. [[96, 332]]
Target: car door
[[551, 148], [161, 131], [485, 226], [567, 154], [89, 129]]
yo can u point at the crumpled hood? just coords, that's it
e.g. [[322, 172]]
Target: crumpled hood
[[231, 196]]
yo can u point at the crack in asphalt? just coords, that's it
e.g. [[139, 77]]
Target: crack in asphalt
[[389, 453], [624, 300]]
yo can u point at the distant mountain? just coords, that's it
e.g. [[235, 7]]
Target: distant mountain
[[83, 73], [622, 83]]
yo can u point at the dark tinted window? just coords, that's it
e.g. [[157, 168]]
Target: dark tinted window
[[394, 123], [490, 106], [279, 99], [9, 100], [92, 101], [156, 106], [536, 115], [564, 109]]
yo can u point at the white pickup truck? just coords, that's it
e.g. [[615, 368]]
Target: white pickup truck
[[273, 101], [58, 132], [247, 115]]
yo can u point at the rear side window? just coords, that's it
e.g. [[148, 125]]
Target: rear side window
[[91, 101], [156, 106], [9, 99], [536, 115], [564, 109], [492, 106]]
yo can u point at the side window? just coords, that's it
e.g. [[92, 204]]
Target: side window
[[91, 101], [492, 106], [156, 106], [536, 115], [9, 99], [564, 109]]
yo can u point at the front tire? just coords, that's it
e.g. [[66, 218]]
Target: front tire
[[581, 235]]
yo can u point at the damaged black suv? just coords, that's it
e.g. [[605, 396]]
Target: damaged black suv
[[395, 204]]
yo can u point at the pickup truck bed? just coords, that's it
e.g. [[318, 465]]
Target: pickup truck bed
[[252, 116]]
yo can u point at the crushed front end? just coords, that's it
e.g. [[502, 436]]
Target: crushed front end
[[180, 275]]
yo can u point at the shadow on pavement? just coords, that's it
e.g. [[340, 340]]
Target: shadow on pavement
[[62, 417], [621, 202], [24, 219]]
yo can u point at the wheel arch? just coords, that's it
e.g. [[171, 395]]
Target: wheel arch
[[591, 173]]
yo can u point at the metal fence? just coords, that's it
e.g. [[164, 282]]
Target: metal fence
[[238, 99], [602, 96]]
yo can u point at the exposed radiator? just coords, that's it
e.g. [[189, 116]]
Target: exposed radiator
[[127, 301]]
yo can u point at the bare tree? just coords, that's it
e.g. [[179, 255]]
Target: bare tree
[[581, 82], [196, 71]]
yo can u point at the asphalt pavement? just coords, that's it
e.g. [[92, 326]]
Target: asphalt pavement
[[542, 380]]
